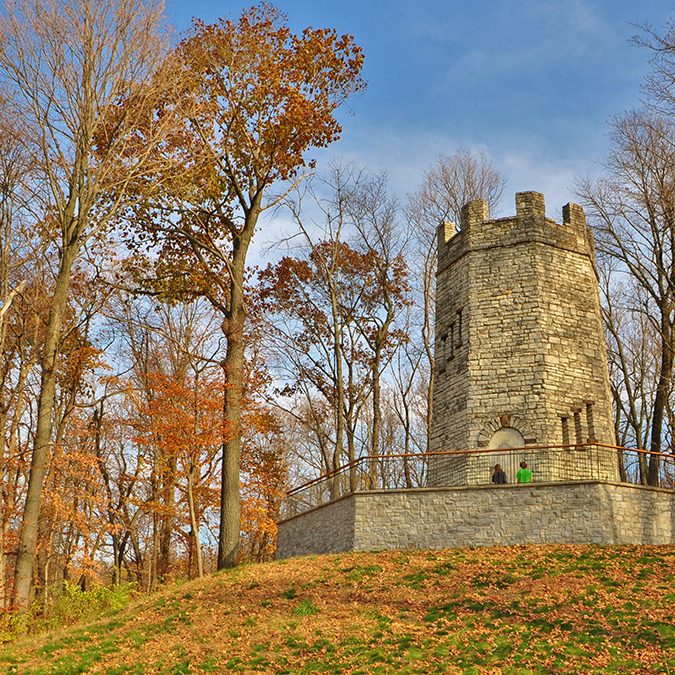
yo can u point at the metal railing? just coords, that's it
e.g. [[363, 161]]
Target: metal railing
[[549, 464]]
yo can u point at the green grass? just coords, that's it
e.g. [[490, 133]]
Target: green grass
[[535, 609], [305, 608]]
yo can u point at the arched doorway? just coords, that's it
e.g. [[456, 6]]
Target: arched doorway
[[502, 439], [506, 437]]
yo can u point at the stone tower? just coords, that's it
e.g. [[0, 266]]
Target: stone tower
[[520, 350]]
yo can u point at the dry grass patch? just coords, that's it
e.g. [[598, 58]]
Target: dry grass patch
[[499, 609]]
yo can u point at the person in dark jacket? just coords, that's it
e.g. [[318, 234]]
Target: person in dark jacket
[[499, 475]]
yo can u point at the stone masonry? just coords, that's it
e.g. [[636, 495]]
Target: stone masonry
[[520, 350], [584, 512]]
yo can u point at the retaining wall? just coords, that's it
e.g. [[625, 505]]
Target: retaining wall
[[594, 512]]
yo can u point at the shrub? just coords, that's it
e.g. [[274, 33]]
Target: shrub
[[73, 604], [70, 605]]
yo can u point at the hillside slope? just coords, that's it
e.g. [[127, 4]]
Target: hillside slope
[[518, 609]]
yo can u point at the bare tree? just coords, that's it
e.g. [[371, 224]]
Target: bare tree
[[633, 213], [452, 182], [65, 66], [633, 358], [660, 83], [374, 214]]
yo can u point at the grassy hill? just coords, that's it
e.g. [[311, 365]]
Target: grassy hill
[[501, 609]]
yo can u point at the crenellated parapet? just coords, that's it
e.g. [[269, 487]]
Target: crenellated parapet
[[474, 213], [476, 230]]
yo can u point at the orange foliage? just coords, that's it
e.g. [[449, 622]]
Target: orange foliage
[[246, 100], [183, 423], [242, 102], [263, 482]]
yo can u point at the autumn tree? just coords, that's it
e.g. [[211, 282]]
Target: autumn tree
[[331, 311], [172, 393], [253, 98], [311, 306], [62, 65], [71, 527], [185, 429], [71, 523], [172, 410], [22, 341], [14, 164]]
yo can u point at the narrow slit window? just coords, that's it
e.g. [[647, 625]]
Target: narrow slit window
[[565, 422], [452, 341], [577, 427], [589, 422], [459, 328]]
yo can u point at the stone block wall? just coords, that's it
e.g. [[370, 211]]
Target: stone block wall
[[326, 529], [591, 512], [452, 384]]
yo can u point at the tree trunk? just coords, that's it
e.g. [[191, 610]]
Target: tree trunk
[[166, 523], [4, 453], [377, 419], [3, 566], [194, 524], [623, 475], [233, 368], [117, 563], [350, 429], [660, 400], [428, 339], [25, 561], [230, 498], [339, 388], [406, 443]]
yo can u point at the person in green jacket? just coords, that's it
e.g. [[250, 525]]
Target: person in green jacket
[[524, 474]]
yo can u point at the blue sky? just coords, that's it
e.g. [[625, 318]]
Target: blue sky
[[530, 82]]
